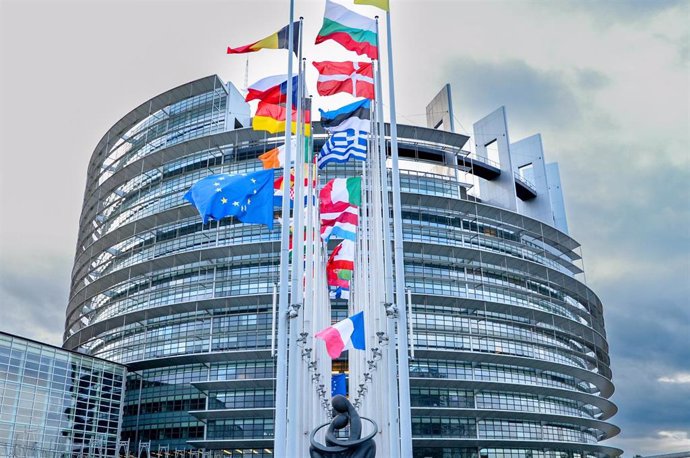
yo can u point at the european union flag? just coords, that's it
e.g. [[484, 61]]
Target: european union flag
[[338, 384], [248, 197]]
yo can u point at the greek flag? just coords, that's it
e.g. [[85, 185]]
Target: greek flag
[[342, 146]]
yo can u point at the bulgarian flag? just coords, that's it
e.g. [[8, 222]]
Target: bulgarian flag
[[272, 118], [278, 40], [353, 31], [356, 78]]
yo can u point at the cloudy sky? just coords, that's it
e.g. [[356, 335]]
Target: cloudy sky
[[606, 83]]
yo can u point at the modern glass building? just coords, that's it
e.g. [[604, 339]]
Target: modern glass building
[[511, 358], [56, 403]]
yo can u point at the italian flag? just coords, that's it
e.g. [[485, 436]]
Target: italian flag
[[348, 190], [353, 31]]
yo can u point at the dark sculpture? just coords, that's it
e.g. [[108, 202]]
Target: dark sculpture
[[354, 446]]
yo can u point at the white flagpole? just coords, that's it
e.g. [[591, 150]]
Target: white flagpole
[[403, 359], [280, 422], [294, 398], [390, 366], [309, 418]]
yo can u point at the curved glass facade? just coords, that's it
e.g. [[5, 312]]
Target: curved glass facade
[[55, 403], [511, 356]]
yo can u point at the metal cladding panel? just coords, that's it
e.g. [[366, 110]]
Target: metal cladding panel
[[194, 358], [607, 407], [602, 383], [234, 384], [439, 112], [521, 444], [567, 327], [608, 429], [528, 163], [236, 444], [89, 332], [220, 414], [556, 194], [494, 128], [183, 91], [173, 260], [498, 260]]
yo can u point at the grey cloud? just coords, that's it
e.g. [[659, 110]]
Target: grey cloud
[[631, 215], [639, 206], [614, 11], [534, 97], [591, 79], [663, 339], [681, 45], [646, 405], [33, 297], [627, 204], [648, 327]]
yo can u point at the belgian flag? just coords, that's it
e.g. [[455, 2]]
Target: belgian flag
[[278, 40]]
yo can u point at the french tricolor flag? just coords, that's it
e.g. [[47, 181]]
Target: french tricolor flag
[[348, 333]]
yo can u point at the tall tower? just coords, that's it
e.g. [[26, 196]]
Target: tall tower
[[510, 352]]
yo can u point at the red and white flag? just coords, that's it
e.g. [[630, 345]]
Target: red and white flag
[[339, 220], [356, 78]]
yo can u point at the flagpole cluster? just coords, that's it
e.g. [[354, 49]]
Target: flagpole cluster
[[281, 412], [309, 276], [403, 345]]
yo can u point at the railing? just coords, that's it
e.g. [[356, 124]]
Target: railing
[[522, 180]]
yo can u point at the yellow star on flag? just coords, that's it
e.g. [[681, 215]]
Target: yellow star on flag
[[223, 200]]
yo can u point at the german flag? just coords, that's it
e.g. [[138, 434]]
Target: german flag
[[272, 118], [278, 40]]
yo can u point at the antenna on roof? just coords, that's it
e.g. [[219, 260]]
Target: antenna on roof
[[246, 77]]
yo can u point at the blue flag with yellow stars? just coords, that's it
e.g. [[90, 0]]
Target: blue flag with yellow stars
[[248, 197], [338, 384]]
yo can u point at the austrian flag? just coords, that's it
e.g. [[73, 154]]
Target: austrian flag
[[356, 78]]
